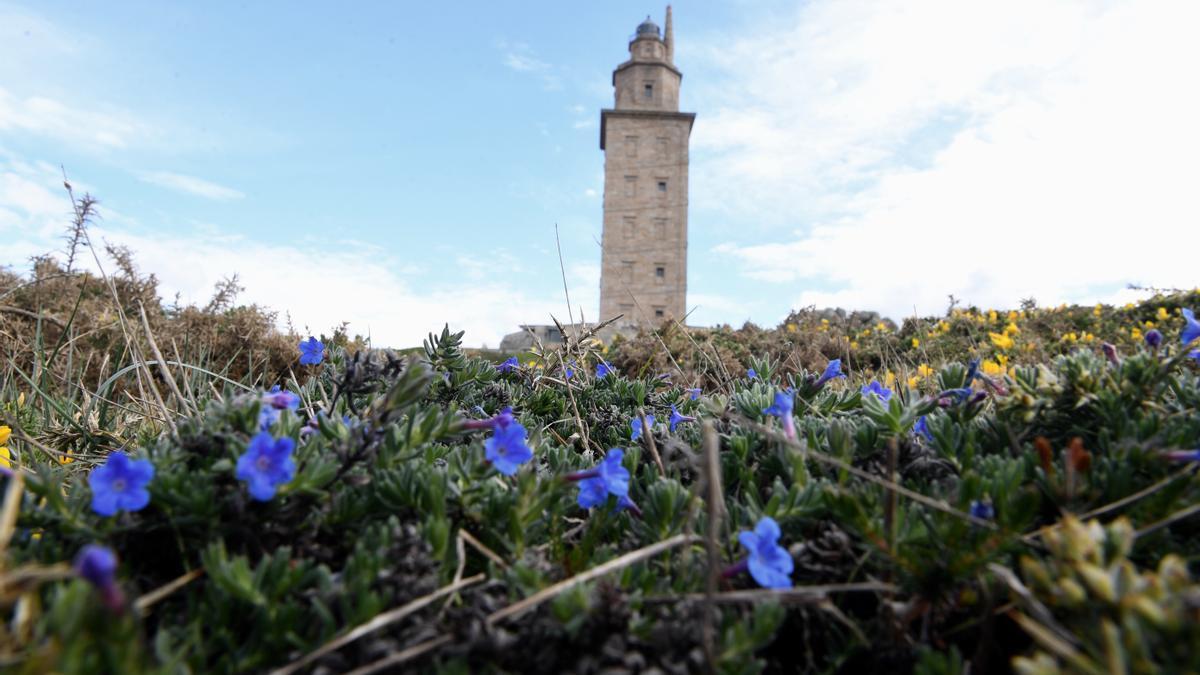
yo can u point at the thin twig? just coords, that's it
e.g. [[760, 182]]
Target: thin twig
[[153, 597], [648, 434], [522, 606], [479, 546], [797, 594], [1174, 517], [380, 621], [402, 656]]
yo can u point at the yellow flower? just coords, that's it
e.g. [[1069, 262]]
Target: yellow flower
[[1012, 316], [992, 368], [1135, 333], [924, 370], [791, 328], [1011, 329], [881, 327], [1001, 341], [1129, 305], [1098, 310], [1002, 359], [824, 322], [5, 457], [993, 316], [916, 343], [1087, 337], [1070, 337], [854, 344], [1029, 347], [1162, 314], [5, 432], [913, 382], [1148, 324], [21, 399], [889, 379]]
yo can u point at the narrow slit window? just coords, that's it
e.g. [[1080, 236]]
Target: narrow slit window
[[658, 313], [648, 91], [662, 186]]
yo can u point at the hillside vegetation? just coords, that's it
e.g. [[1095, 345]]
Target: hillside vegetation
[[988, 491]]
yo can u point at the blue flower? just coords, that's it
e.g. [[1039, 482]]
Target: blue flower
[[782, 408], [608, 478], [677, 419], [1153, 338], [635, 425], [770, 564], [1192, 330], [750, 374], [510, 364], [1184, 455], [603, 369], [507, 449], [569, 371], [98, 566], [921, 428], [878, 390], [312, 351], [266, 464], [120, 484], [982, 510], [694, 393], [273, 402], [832, 371]]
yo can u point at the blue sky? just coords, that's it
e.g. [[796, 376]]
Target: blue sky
[[397, 166]]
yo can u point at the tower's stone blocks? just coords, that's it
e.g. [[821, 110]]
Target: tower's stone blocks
[[645, 142]]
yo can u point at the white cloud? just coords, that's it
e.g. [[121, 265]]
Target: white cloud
[[317, 285], [191, 185], [993, 152], [519, 56], [92, 127]]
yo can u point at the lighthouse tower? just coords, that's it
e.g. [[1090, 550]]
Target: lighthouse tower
[[645, 142]]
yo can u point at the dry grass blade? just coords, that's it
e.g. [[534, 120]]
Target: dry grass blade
[[479, 546], [380, 621], [8, 516], [716, 505], [796, 595], [162, 362], [402, 656], [157, 595], [650, 444], [522, 606], [1174, 517]]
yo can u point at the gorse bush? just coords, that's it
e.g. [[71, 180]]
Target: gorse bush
[[439, 512]]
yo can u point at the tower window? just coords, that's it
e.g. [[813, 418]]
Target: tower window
[[627, 271], [659, 312], [660, 273], [648, 91], [662, 186]]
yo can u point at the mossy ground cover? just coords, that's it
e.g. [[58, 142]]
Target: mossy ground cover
[[1017, 493]]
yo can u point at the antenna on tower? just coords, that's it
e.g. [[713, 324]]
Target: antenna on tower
[[669, 37]]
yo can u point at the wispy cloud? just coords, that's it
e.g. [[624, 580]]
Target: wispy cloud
[[93, 127], [316, 284], [895, 154], [519, 56], [190, 185]]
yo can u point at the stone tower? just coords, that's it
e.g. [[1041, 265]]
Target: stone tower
[[643, 273]]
